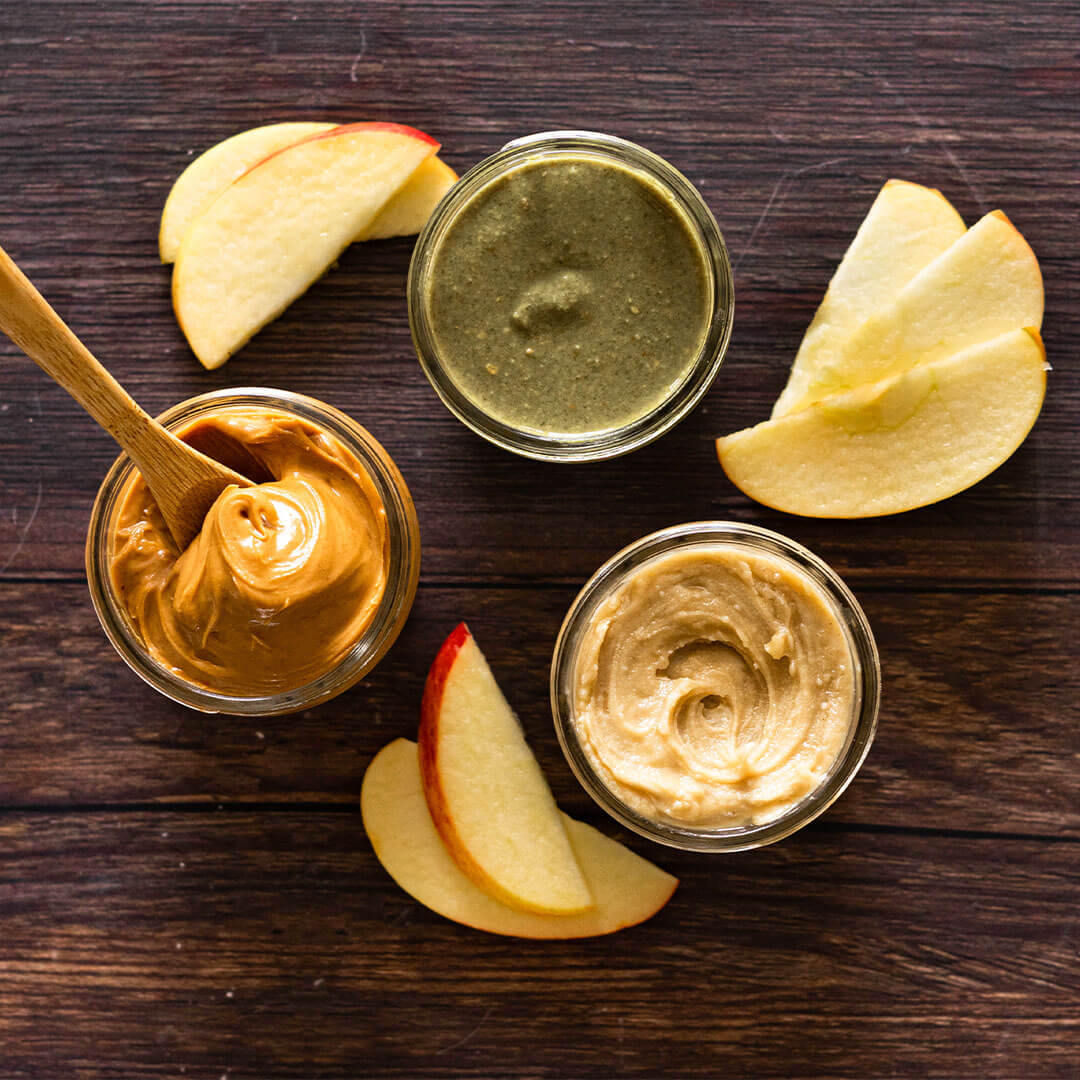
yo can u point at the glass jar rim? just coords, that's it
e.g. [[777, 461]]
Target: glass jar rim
[[607, 443], [611, 575], [402, 570]]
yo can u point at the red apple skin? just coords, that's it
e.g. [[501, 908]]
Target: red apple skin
[[428, 743], [346, 129], [440, 669]]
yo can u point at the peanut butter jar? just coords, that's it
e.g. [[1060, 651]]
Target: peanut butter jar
[[295, 588]]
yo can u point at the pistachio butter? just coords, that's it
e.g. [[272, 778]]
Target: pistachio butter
[[568, 295]]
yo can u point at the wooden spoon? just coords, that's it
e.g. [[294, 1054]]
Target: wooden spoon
[[183, 482]]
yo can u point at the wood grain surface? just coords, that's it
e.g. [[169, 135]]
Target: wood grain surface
[[190, 896]]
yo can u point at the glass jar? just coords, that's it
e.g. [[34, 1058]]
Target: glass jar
[[402, 569], [609, 442], [802, 563]]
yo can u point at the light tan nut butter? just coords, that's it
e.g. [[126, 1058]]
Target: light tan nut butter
[[714, 688], [285, 575]]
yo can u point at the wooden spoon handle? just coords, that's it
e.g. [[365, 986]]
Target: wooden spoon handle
[[183, 482], [27, 318]]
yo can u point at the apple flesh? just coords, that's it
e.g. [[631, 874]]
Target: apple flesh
[[627, 889], [907, 227], [899, 443], [987, 283], [280, 226], [213, 171], [487, 794], [408, 210]]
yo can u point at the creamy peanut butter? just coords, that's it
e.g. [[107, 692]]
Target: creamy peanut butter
[[284, 577], [714, 688]]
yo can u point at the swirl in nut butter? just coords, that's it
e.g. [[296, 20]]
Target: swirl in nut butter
[[714, 689], [284, 577]]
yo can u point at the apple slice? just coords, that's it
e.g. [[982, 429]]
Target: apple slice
[[407, 212], [985, 284], [488, 797], [280, 227], [213, 171], [905, 441], [627, 888], [907, 227]]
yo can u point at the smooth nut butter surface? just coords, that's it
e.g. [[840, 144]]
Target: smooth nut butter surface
[[568, 295], [714, 688], [284, 577]]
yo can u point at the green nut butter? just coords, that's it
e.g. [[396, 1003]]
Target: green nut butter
[[568, 296]]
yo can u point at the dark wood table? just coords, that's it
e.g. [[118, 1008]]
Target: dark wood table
[[188, 895]]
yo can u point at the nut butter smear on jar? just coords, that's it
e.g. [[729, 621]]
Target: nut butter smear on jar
[[284, 576]]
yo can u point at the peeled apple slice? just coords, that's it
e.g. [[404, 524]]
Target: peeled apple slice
[[627, 888], [213, 171], [907, 227], [985, 284], [902, 442], [280, 227]]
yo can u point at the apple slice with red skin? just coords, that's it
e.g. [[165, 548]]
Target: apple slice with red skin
[[488, 797], [407, 210], [628, 889], [279, 227], [215, 169]]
